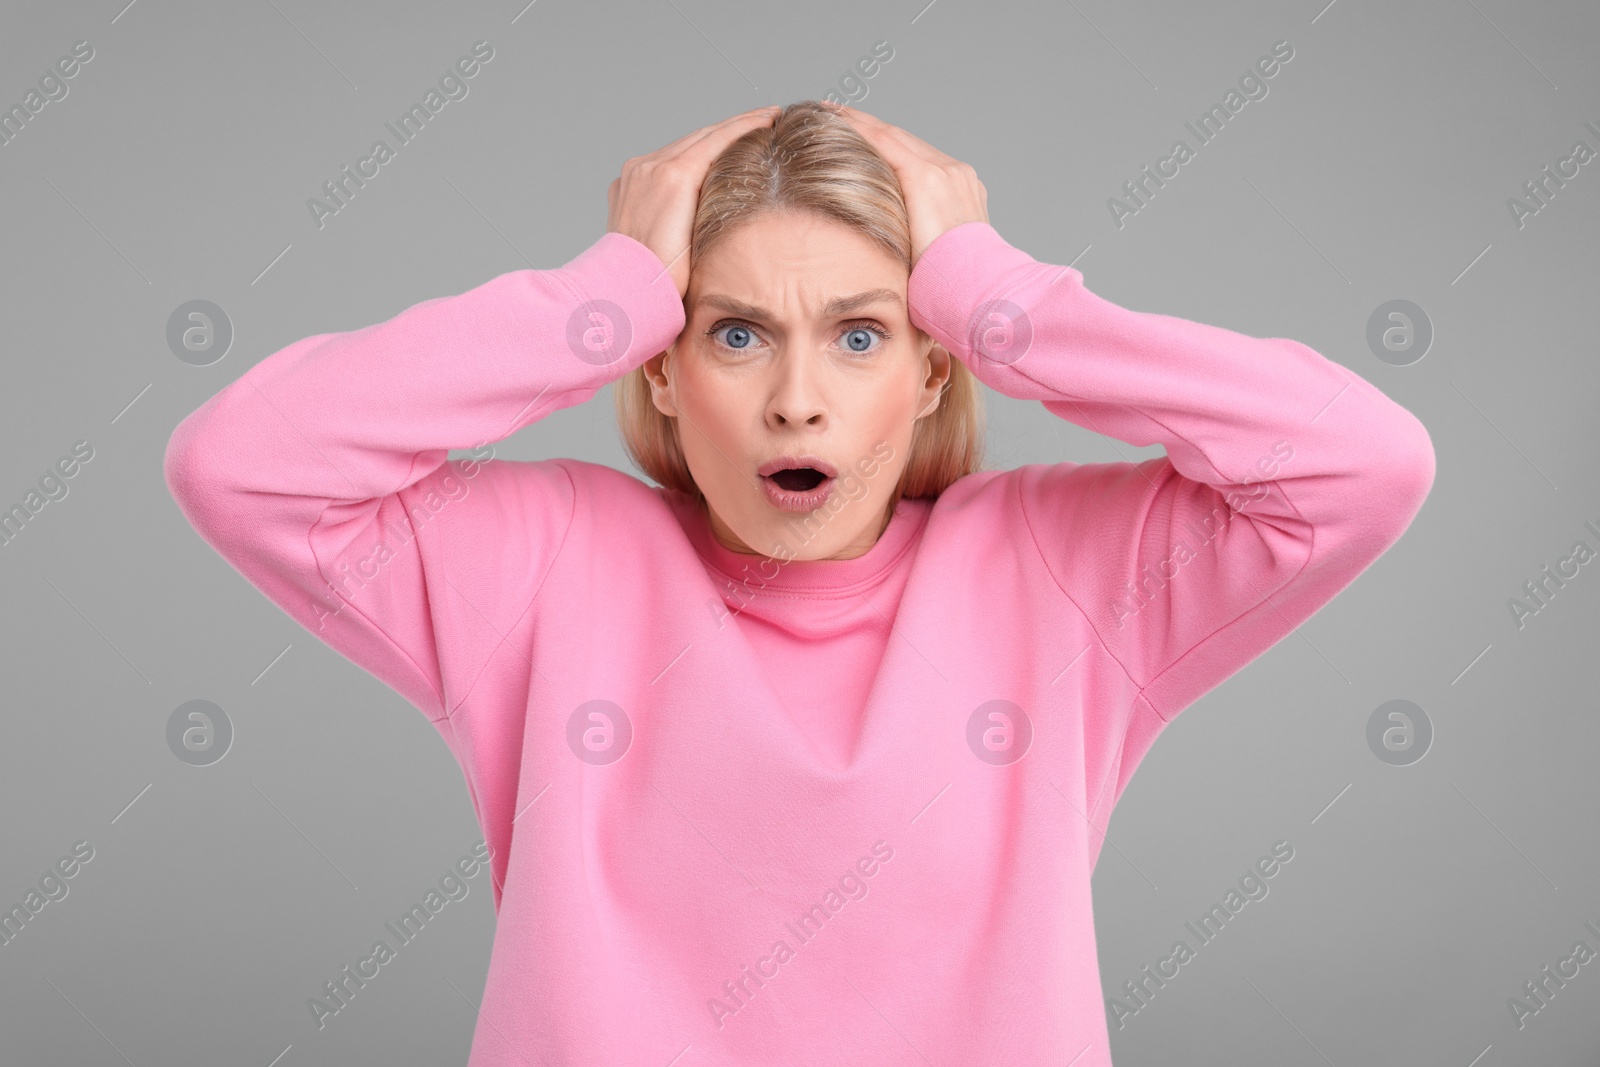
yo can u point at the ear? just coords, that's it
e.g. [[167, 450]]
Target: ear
[[656, 372], [938, 363]]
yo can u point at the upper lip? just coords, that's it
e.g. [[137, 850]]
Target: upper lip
[[785, 463]]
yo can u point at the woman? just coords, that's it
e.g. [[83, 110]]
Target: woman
[[806, 767]]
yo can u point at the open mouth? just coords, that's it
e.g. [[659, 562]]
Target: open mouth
[[797, 483], [798, 479]]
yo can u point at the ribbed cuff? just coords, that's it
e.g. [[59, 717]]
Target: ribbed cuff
[[964, 269], [620, 270]]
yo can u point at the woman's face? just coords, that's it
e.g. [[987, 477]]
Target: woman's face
[[798, 343]]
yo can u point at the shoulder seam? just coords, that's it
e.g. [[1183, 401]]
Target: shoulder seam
[[560, 545], [1044, 561], [347, 603]]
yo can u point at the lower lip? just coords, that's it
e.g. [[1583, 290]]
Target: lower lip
[[790, 500]]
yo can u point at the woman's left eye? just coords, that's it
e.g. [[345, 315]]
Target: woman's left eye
[[857, 338]]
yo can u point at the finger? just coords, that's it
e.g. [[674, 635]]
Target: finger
[[667, 151], [672, 148], [889, 139], [721, 133], [900, 157], [874, 129]]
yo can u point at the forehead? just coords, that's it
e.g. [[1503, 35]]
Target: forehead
[[800, 260]]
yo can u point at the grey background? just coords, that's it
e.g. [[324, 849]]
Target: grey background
[[1378, 166]]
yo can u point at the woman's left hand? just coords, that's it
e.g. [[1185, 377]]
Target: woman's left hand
[[941, 192]]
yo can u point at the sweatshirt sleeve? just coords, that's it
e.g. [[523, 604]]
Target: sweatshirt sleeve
[[321, 473], [1285, 475]]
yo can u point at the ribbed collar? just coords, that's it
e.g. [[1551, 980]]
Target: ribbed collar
[[815, 577]]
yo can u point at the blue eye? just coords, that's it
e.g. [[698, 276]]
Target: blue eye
[[862, 334], [738, 336], [857, 339]]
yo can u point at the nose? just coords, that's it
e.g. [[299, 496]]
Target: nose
[[796, 398]]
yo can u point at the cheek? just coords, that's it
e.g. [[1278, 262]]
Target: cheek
[[716, 410], [893, 405]]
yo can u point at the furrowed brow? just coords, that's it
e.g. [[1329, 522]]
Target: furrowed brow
[[839, 305], [849, 305]]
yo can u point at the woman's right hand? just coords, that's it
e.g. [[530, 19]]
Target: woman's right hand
[[655, 199]]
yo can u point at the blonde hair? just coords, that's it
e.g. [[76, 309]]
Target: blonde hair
[[810, 159]]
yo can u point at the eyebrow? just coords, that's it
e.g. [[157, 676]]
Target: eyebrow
[[839, 305]]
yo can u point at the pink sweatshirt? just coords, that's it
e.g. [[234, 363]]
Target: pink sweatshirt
[[834, 812]]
